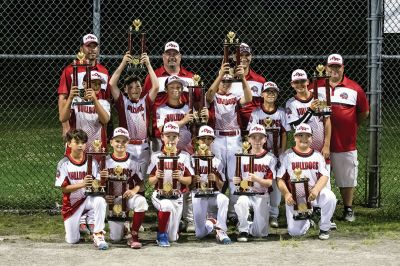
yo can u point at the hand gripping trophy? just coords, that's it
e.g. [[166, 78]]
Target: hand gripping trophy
[[232, 55], [81, 62], [136, 45], [325, 96]]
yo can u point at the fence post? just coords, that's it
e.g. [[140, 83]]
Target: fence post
[[374, 67], [96, 20]]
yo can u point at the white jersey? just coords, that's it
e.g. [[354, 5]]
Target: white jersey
[[86, 118], [130, 168], [255, 87], [217, 169], [312, 165], [264, 167], [226, 111], [295, 109], [168, 113], [184, 165], [70, 172], [134, 115], [278, 118]]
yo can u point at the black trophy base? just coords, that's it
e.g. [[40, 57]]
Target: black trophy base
[[118, 218], [137, 69], [83, 103], [323, 113], [204, 195], [247, 193], [301, 216], [171, 196], [95, 194]]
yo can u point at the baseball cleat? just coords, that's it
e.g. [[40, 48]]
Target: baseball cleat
[[273, 221], [162, 240], [323, 235], [99, 242], [349, 216], [243, 237]]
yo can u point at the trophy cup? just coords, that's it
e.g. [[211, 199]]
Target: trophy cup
[[136, 37], [300, 193], [80, 62], [232, 57], [168, 189], [204, 188], [245, 187], [97, 188], [198, 121], [270, 128], [117, 185], [325, 105]]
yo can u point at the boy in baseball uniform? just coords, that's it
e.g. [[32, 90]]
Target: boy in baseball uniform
[[204, 206], [262, 174], [312, 165], [169, 209], [72, 178], [122, 160]]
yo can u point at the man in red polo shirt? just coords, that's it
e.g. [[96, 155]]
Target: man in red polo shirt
[[90, 47], [349, 108], [255, 82]]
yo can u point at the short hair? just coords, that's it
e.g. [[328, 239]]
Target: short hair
[[128, 80], [77, 134]]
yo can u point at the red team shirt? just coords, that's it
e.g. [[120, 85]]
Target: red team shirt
[[295, 109], [134, 115], [278, 117], [70, 172], [264, 163], [183, 165], [348, 99]]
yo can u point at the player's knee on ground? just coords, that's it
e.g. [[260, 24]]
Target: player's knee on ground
[[99, 203], [298, 228], [72, 239], [223, 200], [166, 206]]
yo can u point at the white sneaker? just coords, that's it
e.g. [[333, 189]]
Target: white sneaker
[[273, 222], [99, 242], [323, 235], [222, 237]]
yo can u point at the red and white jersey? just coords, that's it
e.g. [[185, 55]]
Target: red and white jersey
[[134, 115], [130, 168], [295, 109], [66, 80], [312, 166], [184, 165], [70, 172], [169, 113], [225, 111], [278, 117], [348, 99], [264, 167], [86, 118], [217, 169]]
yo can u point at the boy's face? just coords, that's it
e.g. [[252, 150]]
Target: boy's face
[[270, 95], [303, 141], [257, 140], [77, 146], [208, 140], [133, 90], [174, 90], [95, 85], [300, 86], [224, 87], [171, 138], [119, 144]]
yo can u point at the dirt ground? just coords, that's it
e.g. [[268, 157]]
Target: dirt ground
[[277, 249]]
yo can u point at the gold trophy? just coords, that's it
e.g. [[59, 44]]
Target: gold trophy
[[136, 45], [300, 193], [198, 121], [117, 185], [204, 188], [325, 104], [232, 55], [81, 62], [97, 188], [168, 190], [271, 129]]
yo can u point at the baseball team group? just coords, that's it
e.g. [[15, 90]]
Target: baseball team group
[[214, 156]]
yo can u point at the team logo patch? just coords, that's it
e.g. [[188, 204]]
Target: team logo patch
[[254, 89], [206, 130], [288, 111], [344, 95]]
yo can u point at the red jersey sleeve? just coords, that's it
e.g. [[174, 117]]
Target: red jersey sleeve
[[65, 81]]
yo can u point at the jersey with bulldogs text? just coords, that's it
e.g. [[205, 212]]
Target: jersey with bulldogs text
[[278, 117], [264, 167], [348, 99], [295, 109], [184, 165], [86, 118], [130, 168], [169, 113], [134, 115], [71, 172], [66, 80], [225, 110], [217, 169], [256, 83], [312, 165]]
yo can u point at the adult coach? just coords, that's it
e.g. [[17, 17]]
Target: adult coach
[[90, 47], [349, 108]]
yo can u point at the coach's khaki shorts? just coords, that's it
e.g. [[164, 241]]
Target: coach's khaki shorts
[[345, 168]]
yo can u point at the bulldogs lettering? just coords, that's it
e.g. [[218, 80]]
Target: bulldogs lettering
[[173, 117], [136, 109], [77, 175], [305, 165], [226, 101], [86, 109]]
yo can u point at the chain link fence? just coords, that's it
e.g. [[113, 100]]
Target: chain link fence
[[40, 39]]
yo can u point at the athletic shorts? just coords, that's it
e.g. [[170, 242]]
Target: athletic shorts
[[345, 168]]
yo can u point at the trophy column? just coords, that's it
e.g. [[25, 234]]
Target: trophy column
[[325, 105]]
